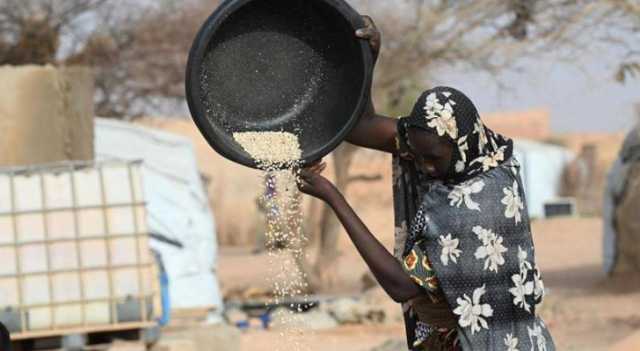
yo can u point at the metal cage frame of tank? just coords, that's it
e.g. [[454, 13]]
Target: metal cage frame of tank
[[147, 300]]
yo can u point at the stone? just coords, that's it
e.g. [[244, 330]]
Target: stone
[[235, 315], [345, 310], [280, 317], [375, 307], [316, 319], [380, 308]]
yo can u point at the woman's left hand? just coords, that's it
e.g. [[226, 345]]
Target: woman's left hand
[[371, 33], [314, 184]]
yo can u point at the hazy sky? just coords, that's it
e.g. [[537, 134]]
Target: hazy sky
[[581, 96]]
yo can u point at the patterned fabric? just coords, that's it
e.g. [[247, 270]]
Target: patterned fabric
[[431, 339], [450, 114], [417, 264], [471, 231]]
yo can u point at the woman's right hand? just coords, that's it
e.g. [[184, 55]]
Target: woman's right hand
[[313, 183]]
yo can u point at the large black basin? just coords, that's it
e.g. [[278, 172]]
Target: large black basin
[[279, 65]]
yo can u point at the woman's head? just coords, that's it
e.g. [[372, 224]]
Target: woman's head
[[447, 138]]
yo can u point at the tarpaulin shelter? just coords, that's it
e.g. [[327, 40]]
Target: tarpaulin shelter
[[179, 218], [621, 199]]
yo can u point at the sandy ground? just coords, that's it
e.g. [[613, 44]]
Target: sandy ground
[[584, 309], [347, 338]]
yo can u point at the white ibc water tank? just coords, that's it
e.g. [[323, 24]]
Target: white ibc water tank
[[74, 245]]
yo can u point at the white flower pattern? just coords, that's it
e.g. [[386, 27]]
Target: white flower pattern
[[478, 128], [513, 202], [538, 285], [521, 290], [491, 250], [463, 147], [514, 166], [450, 249], [440, 116], [462, 193], [511, 343], [522, 260], [541, 340], [491, 160], [472, 313]]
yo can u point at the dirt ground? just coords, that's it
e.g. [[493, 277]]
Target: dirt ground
[[585, 310]]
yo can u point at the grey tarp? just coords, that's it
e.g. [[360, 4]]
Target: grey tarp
[[617, 180]]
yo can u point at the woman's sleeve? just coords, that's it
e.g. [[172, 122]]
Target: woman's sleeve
[[417, 265]]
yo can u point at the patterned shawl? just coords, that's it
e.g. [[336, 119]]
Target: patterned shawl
[[472, 230]]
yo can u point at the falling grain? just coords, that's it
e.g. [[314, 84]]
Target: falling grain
[[278, 154]]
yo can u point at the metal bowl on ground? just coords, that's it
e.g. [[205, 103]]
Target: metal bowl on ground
[[279, 65]]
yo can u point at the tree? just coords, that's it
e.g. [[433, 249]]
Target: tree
[[30, 31], [138, 50], [140, 57]]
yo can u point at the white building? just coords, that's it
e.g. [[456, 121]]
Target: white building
[[542, 169]]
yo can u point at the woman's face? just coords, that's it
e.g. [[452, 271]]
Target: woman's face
[[432, 154]]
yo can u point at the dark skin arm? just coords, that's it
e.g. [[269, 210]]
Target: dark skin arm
[[377, 132], [386, 269], [373, 131]]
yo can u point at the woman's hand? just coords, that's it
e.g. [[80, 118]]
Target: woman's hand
[[373, 131], [314, 184], [371, 33]]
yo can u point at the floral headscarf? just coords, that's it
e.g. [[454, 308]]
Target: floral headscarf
[[449, 113]]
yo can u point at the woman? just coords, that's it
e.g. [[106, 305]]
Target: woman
[[464, 266]]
